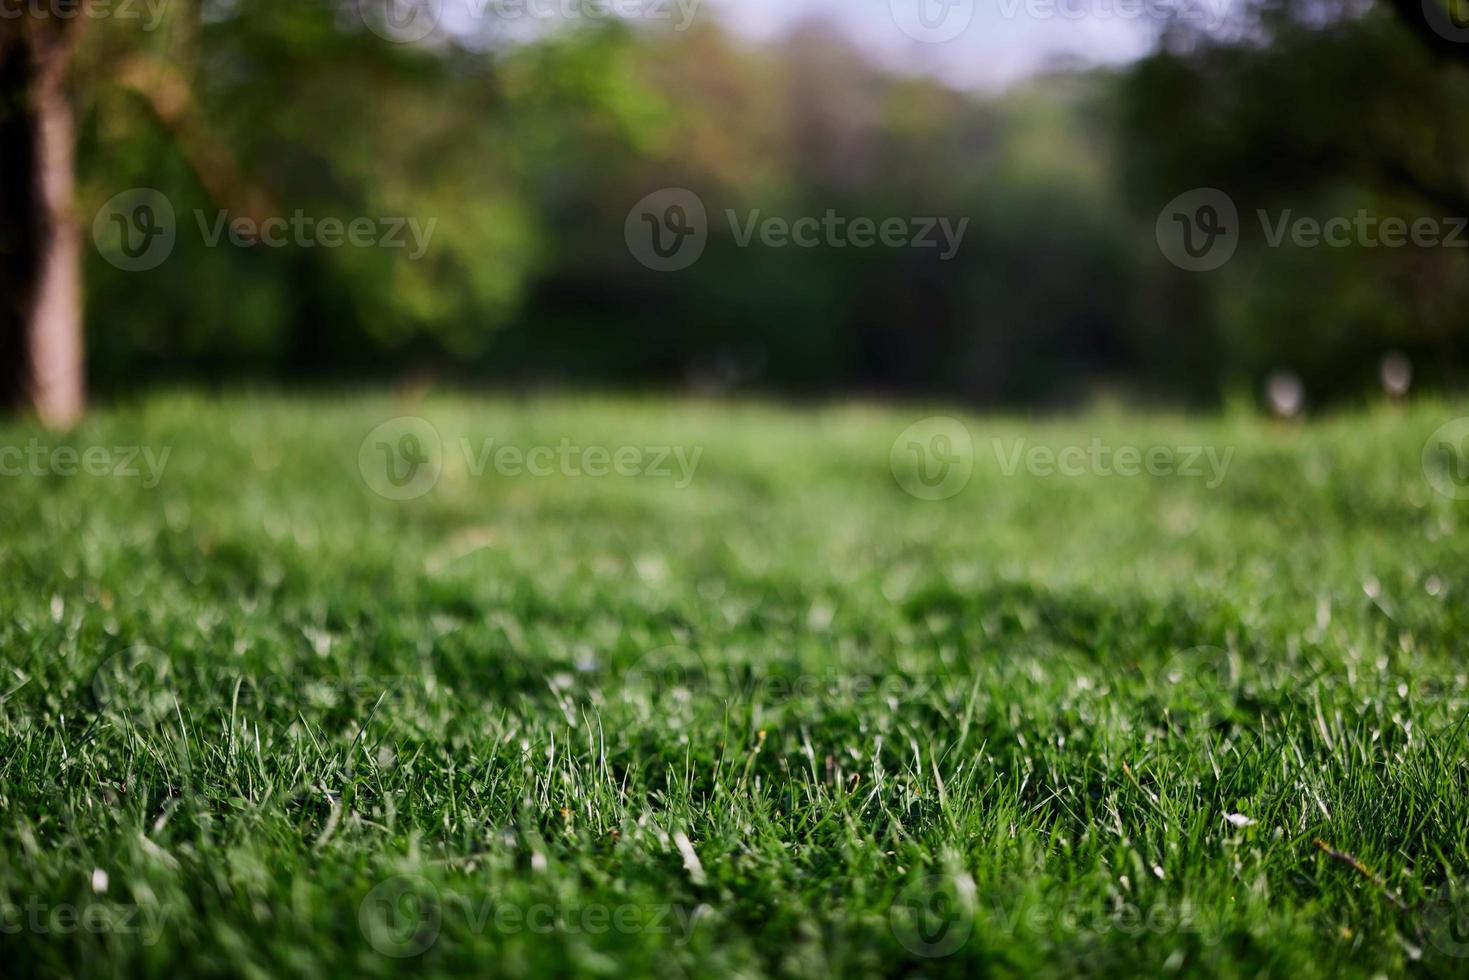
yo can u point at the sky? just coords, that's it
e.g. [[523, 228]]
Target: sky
[[971, 43]]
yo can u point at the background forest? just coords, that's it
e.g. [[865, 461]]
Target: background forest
[[523, 152]]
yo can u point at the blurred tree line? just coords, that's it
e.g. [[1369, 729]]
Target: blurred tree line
[[530, 151]]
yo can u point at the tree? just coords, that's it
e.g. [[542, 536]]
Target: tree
[[40, 243]]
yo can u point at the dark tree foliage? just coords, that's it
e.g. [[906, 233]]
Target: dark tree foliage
[[526, 155]]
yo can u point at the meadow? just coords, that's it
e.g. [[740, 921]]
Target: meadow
[[585, 686]]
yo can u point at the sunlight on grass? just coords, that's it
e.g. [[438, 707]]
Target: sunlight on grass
[[780, 717]]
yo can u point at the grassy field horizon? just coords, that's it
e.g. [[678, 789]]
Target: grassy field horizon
[[588, 685]]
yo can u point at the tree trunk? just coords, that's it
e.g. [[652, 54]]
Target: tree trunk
[[18, 213], [56, 318], [40, 241]]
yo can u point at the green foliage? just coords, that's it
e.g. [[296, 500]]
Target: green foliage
[[1321, 111], [527, 155]]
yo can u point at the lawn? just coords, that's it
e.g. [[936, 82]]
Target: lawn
[[291, 689]]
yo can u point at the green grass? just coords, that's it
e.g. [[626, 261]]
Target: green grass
[[526, 726]]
